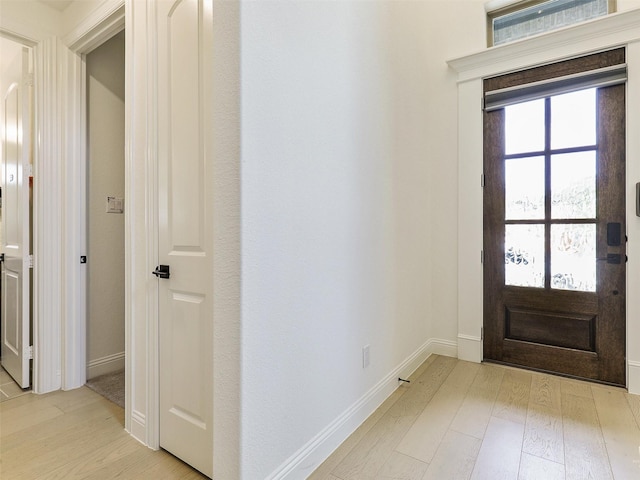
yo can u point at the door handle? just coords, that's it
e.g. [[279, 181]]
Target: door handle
[[162, 271]]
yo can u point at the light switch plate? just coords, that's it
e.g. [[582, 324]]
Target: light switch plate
[[115, 205]]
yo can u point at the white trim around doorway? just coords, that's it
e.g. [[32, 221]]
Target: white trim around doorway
[[100, 26], [47, 274]]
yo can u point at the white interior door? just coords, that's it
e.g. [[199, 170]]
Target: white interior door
[[186, 230], [16, 169]]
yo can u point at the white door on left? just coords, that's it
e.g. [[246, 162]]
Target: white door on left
[[15, 238]]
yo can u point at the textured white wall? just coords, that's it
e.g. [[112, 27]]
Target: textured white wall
[[105, 302], [349, 204], [30, 18], [226, 211], [623, 5], [78, 11], [447, 29]]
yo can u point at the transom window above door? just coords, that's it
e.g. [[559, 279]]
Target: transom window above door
[[510, 20]]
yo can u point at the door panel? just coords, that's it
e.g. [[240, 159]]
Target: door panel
[[16, 161], [538, 312], [186, 234]]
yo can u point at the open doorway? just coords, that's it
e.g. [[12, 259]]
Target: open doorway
[[105, 74], [16, 183]]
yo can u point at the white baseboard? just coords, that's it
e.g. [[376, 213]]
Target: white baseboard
[[138, 427], [301, 464], [446, 348], [633, 384], [108, 364], [469, 348]]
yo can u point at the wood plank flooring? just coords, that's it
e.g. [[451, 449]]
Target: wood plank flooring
[[76, 435], [459, 420], [456, 420], [9, 388]]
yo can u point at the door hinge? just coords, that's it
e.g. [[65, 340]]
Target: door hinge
[[28, 169], [481, 333], [482, 180], [30, 260], [28, 352], [482, 256], [29, 80]]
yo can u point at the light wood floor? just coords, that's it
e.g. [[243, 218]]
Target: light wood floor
[[460, 420], [9, 388], [456, 420], [76, 435]]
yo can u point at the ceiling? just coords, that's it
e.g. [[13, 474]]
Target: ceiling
[[59, 5]]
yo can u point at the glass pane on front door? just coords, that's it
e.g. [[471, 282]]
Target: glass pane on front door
[[524, 188], [573, 185], [524, 255], [524, 124], [550, 165], [573, 119], [573, 257]]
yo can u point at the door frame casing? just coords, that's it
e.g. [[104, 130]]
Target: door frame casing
[[591, 342], [48, 275], [141, 314], [59, 283], [19, 85], [619, 30], [105, 22]]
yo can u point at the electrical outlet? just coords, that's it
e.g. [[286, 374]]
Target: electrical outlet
[[365, 356]]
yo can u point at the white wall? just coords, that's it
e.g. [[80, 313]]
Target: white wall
[[349, 206], [226, 211], [105, 305], [29, 18], [78, 12], [623, 5], [349, 181]]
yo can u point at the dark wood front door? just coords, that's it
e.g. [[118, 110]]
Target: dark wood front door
[[554, 234]]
